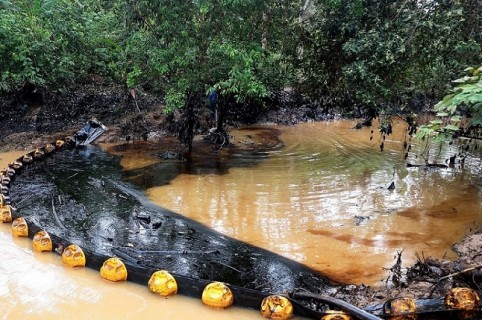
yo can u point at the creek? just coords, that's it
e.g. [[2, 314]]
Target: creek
[[315, 193], [322, 199]]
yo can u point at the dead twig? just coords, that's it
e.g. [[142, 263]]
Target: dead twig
[[461, 272]]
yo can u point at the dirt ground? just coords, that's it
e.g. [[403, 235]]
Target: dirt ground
[[28, 123]]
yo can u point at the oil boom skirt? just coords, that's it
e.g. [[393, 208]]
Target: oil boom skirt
[[75, 203]]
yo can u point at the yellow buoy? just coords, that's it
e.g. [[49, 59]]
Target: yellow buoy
[[4, 200], [73, 256], [59, 144], [49, 148], [20, 227], [70, 141], [27, 158], [462, 299], [113, 269], [336, 315], [276, 307], [163, 283], [217, 295], [16, 165], [4, 180], [42, 241], [9, 172], [38, 154], [399, 306], [6, 214]]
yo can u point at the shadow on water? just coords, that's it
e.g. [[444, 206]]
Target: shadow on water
[[254, 146], [79, 196]]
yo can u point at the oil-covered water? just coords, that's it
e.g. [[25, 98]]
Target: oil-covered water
[[37, 286]]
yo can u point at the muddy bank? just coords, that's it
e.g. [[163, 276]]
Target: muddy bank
[[33, 116]]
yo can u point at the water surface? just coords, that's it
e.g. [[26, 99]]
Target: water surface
[[322, 200]]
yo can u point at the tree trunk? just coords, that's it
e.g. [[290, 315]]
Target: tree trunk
[[472, 24]]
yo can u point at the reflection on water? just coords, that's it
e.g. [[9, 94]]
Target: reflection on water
[[323, 200], [36, 286]]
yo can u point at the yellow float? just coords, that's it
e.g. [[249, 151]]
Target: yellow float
[[4, 200], [5, 181], [20, 228], [38, 154], [336, 315], [59, 144], [9, 172], [27, 158], [462, 299], [217, 295], [49, 148], [399, 306], [73, 256], [276, 307], [6, 214], [42, 242], [16, 165], [114, 270], [163, 283]]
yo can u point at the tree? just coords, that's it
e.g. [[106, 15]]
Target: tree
[[384, 56], [52, 43], [200, 46]]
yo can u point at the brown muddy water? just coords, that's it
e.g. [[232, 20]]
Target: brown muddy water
[[321, 199]]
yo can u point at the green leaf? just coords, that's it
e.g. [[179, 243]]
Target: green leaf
[[456, 119], [451, 127]]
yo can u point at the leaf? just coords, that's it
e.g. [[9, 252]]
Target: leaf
[[456, 119], [451, 127], [463, 80], [442, 114]]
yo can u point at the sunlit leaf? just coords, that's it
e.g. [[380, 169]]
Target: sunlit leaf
[[451, 127]]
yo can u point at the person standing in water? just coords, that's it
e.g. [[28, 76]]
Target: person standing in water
[[213, 105]]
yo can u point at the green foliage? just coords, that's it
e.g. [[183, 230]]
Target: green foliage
[[51, 42], [465, 101], [375, 54], [384, 54]]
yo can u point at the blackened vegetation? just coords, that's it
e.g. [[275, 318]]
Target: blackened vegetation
[[43, 111]]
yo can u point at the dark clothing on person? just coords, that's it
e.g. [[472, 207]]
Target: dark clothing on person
[[213, 100]]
